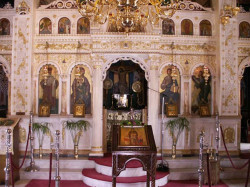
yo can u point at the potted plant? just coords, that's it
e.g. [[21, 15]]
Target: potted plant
[[76, 128], [176, 127], [41, 129]]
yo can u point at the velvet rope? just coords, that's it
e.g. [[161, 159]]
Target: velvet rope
[[208, 171], [50, 167], [239, 168], [27, 144]]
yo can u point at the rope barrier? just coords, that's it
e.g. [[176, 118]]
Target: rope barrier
[[26, 149], [50, 167], [208, 171], [239, 168]]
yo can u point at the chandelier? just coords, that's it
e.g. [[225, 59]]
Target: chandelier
[[128, 15]]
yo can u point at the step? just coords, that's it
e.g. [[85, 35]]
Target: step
[[43, 173], [93, 178]]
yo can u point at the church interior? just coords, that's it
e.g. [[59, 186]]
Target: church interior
[[124, 93]]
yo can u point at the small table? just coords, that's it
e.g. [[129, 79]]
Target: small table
[[142, 149]]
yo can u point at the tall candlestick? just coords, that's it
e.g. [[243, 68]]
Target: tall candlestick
[[212, 140]]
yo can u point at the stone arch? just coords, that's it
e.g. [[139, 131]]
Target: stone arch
[[243, 65], [134, 59], [6, 67]]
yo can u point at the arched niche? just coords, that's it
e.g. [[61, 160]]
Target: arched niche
[[168, 27], [205, 28], [187, 27], [64, 26], [83, 26], [45, 26]]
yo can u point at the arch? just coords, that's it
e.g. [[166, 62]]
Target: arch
[[4, 26], [205, 28], [169, 63], [244, 29], [243, 65], [6, 67], [211, 69], [83, 25], [71, 67], [64, 26], [168, 26], [187, 27], [45, 26], [48, 63], [134, 59]]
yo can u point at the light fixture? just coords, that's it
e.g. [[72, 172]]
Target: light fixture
[[206, 74], [45, 73], [128, 15], [228, 12]]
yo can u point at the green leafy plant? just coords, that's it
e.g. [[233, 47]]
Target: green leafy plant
[[41, 129], [131, 123], [176, 127], [76, 128]]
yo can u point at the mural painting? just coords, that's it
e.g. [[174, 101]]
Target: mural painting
[[45, 26], [170, 86], [80, 88], [244, 29], [205, 28], [48, 87], [4, 27], [201, 89], [186, 27], [83, 26], [168, 27], [64, 26]]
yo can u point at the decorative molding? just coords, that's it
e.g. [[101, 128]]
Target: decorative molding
[[192, 6], [61, 4]]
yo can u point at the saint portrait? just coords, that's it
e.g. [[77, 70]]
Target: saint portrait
[[186, 27], [168, 27], [45, 26], [64, 26], [170, 86], [205, 28], [83, 26], [48, 87], [4, 26], [81, 88], [244, 30], [200, 90]]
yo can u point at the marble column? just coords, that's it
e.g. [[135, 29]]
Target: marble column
[[64, 97], [97, 127], [154, 102]]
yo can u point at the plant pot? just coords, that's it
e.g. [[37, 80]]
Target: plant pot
[[174, 151], [40, 152], [76, 151]]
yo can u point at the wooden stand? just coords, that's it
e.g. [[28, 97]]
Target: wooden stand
[[214, 168], [145, 152]]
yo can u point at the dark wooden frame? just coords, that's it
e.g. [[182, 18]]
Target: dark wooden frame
[[121, 155]]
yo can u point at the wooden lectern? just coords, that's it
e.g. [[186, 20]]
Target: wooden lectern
[[133, 142]]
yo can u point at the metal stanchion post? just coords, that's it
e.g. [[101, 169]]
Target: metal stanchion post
[[57, 177], [32, 167], [217, 138], [201, 170], [8, 149]]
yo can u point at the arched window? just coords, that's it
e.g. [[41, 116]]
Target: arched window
[[4, 26], [186, 27], [201, 91], [168, 27], [49, 87], [45, 26], [64, 26], [244, 30], [205, 28], [83, 26]]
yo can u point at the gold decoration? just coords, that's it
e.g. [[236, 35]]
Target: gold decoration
[[5, 47], [228, 12], [44, 110], [22, 135], [21, 66], [79, 110], [23, 8], [21, 35], [85, 46], [20, 97], [229, 135]]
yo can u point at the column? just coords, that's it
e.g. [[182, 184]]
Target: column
[[97, 127], [64, 96], [154, 100], [22, 43]]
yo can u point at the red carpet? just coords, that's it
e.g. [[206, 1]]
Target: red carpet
[[63, 183], [190, 183], [91, 173]]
